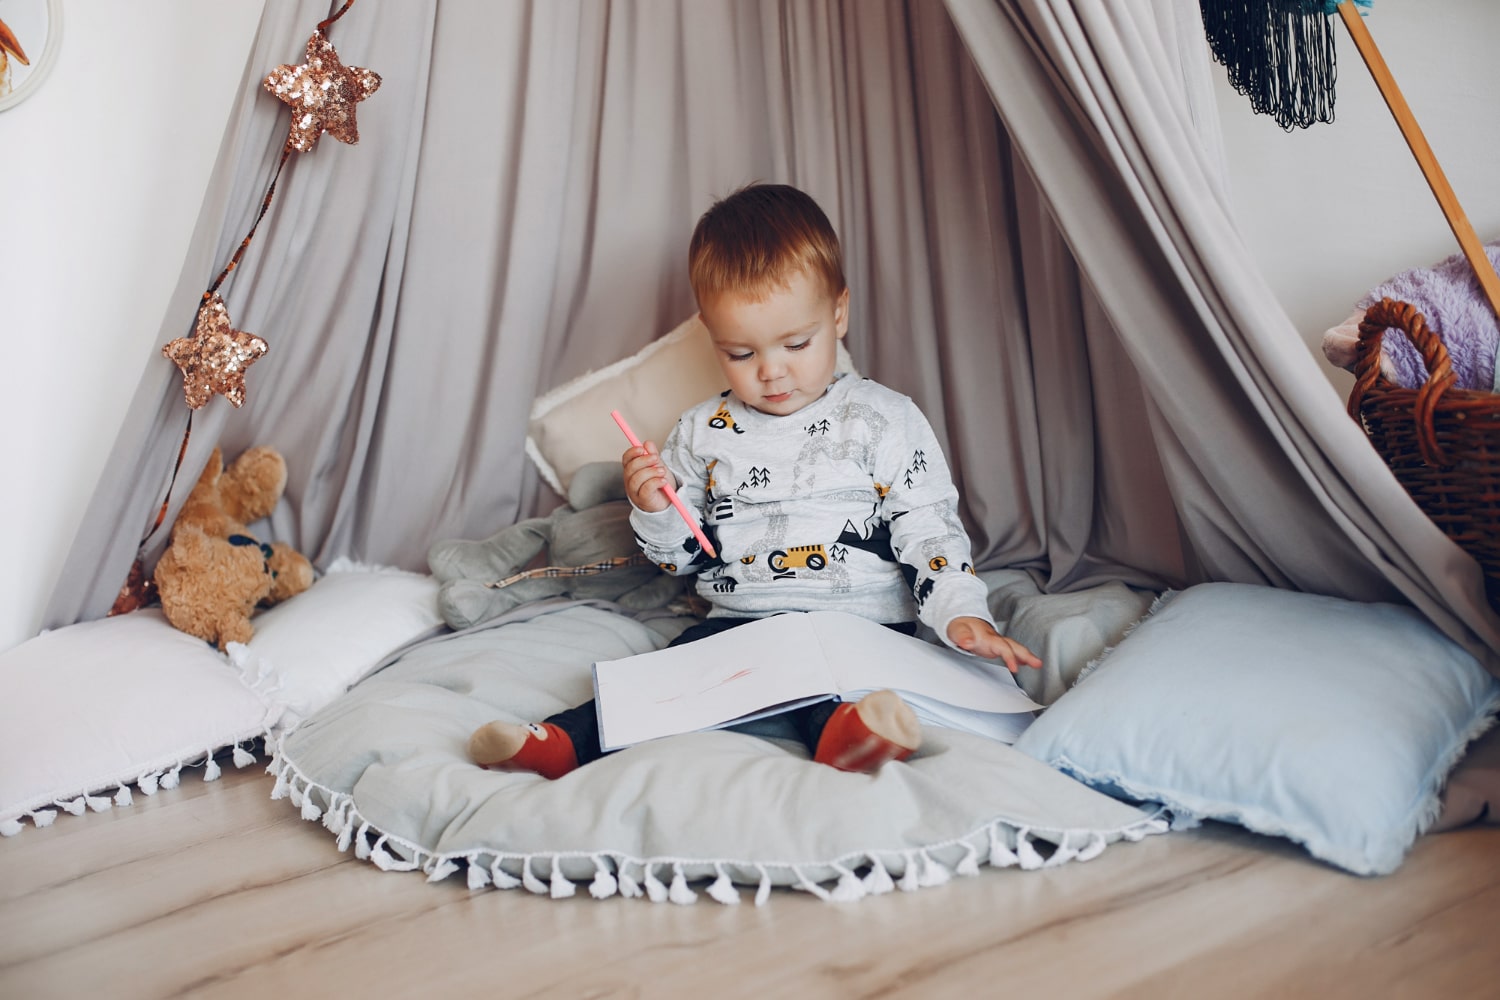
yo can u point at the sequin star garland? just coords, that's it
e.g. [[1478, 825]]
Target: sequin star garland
[[322, 93], [213, 359]]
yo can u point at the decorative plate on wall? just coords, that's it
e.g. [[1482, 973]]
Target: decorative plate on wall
[[30, 35]]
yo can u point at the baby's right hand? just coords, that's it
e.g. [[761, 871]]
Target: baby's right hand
[[645, 477]]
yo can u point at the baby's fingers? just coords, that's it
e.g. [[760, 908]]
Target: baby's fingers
[[1006, 655], [1024, 655]]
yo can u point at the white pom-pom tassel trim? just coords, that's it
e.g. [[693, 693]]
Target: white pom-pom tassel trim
[[561, 886], [362, 843], [9, 827], [310, 810], [680, 893], [878, 880], [933, 872], [123, 796], [849, 889], [655, 891], [1029, 858], [75, 807], [530, 881], [334, 817], [479, 878], [909, 877], [722, 890], [441, 870], [172, 777], [1001, 856], [969, 866], [381, 857], [43, 817], [604, 884], [1094, 848], [98, 803], [808, 885], [1062, 855], [629, 887], [502, 878], [148, 782], [763, 891], [243, 757], [211, 769]]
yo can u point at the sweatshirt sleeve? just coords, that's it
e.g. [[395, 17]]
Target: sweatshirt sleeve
[[921, 507], [663, 535]]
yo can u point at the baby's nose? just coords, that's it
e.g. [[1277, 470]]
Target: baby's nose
[[771, 370]]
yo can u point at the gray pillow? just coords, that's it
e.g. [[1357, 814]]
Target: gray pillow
[[1068, 631], [385, 768]]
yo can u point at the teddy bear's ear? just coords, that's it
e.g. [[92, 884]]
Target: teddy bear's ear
[[214, 468], [253, 483]]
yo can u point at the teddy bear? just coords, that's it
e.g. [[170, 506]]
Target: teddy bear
[[214, 573], [591, 552]]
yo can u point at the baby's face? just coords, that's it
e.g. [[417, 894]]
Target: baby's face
[[779, 352]]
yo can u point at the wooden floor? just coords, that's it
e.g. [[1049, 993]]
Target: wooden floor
[[213, 890]]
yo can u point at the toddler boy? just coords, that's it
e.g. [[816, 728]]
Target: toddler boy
[[817, 490]]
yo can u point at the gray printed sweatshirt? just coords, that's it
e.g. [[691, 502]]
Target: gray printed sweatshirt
[[845, 505]]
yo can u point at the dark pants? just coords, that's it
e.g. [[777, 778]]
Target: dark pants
[[582, 723]]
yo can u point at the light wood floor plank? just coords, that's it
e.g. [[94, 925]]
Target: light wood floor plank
[[213, 890]]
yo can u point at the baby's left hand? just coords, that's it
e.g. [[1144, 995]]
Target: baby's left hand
[[977, 636]]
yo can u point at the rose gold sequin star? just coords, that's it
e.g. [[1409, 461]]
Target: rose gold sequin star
[[322, 93], [214, 358]]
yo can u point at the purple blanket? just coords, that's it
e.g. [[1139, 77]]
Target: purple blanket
[[1449, 296]]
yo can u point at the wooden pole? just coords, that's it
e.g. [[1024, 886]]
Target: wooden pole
[[1489, 281]]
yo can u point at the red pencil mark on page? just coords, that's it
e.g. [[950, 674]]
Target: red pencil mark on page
[[718, 684]]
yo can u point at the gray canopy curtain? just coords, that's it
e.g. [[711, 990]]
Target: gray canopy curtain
[[1040, 249]]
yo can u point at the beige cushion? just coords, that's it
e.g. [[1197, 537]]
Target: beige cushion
[[570, 425]]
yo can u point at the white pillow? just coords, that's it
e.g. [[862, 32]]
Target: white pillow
[[315, 646], [570, 425], [93, 708]]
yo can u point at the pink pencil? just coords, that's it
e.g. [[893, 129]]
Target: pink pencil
[[687, 515]]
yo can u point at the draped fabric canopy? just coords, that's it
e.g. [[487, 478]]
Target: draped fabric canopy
[[1039, 242]]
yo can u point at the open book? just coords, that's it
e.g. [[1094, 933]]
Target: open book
[[785, 661]]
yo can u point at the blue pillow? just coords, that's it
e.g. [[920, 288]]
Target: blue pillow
[[1330, 722]]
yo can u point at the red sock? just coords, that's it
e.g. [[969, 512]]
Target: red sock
[[541, 748], [864, 735]]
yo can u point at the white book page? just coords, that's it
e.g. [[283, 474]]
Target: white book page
[[703, 684], [865, 656], [1003, 727]]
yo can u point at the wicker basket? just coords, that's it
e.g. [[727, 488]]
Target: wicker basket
[[1442, 443]]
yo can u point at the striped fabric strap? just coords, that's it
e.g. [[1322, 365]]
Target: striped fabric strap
[[592, 569]]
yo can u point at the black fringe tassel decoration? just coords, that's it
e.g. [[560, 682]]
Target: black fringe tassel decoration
[[1279, 54]]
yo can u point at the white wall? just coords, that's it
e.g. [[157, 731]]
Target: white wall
[[103, 171], [105, 167], [1332, 210]]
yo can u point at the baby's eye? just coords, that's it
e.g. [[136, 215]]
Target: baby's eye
[[798, 347], [741, 357]]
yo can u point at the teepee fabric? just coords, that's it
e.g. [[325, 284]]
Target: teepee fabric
[[1039, 242]]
